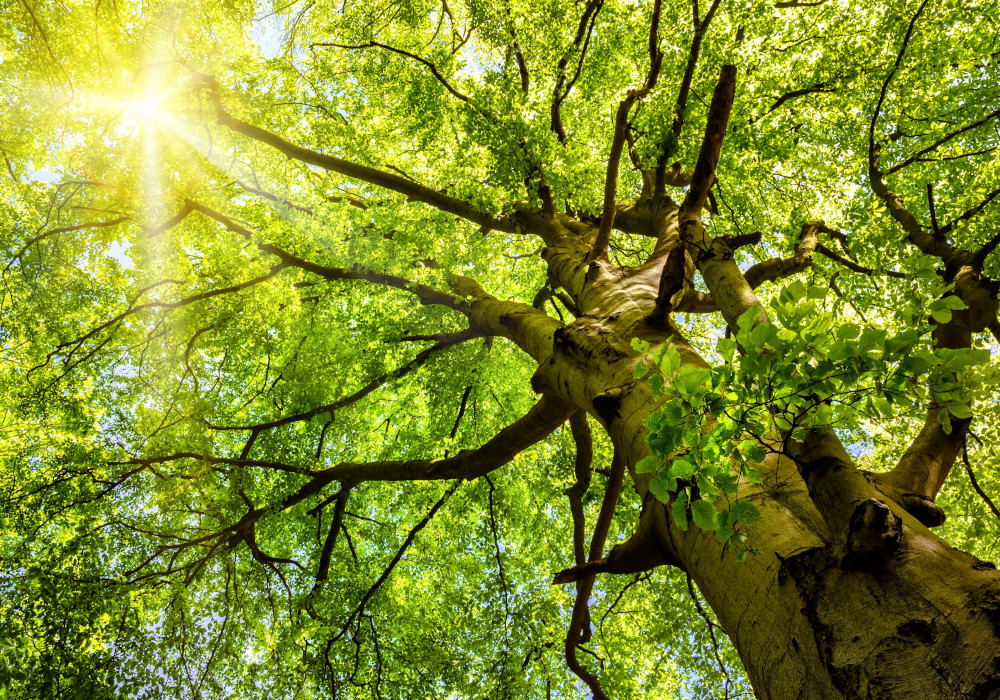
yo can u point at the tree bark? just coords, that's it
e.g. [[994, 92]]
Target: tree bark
[[884, 609], [847, 596], [906, 617]]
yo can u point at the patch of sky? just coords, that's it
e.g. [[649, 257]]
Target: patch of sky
[[267, 32], [119, 251], [43, 175]]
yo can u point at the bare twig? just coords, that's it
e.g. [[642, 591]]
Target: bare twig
[[395, 560]]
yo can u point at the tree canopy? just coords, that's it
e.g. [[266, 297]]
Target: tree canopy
[[331, 331]]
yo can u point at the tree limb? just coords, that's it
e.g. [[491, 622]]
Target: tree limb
[[618, 140], [562, 89], [379, 178], [544, 417], [581, 608], [430, 66], [395, 560], [342, 402]]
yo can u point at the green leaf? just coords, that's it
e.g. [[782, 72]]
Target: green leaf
[[960, 410], [726, 347], [745, 512], [944, 420], [849, 331], [670, 362], [658, 489], [824, 414], [640, 346], [703, 514], [690, 378], [747, 320], [682, 469], [728, 482], [941, 315], [647, 464], [724, 527], [941, 308], [679, 510], [706, 486], [793, 292]]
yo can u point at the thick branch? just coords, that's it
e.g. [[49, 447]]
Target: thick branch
[[582, 468], [714, 258], [923, 469], [544, 417], [331, 535]]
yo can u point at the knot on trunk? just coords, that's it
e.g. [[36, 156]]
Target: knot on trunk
[[923, 509], [872, 537]]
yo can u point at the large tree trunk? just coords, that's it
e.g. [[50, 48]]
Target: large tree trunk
[[848, 594], [811, 619], [864, 603]]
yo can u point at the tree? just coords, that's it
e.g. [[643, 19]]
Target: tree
[[332, 335]]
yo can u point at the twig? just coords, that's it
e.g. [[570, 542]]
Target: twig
[[395, 560]]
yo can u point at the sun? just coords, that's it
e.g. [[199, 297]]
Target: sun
[[146, 109]]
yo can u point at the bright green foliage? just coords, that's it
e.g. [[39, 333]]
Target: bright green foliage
[[802, 371], [130, 333]]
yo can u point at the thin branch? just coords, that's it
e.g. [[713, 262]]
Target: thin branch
[[56, 231], [395, 560], [941, 141], [522, 65], [561, 90], [822, 249], [971, 213], [350, 399], [792, 94], [700, 28], [426, 294], [503, 577], [379, 178], [618, 140], [430, 66], [975, 484], [212, 461], [581, 608], [711, 633], [928, 244]]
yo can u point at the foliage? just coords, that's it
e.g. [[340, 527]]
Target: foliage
[[198, 330]]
